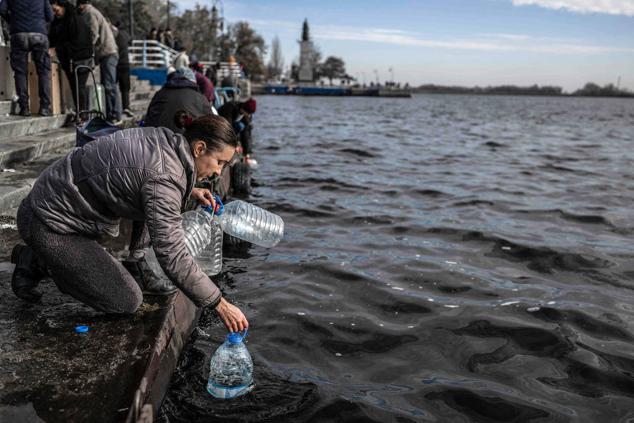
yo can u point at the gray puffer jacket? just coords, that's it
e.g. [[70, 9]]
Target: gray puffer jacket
[[138, 174]]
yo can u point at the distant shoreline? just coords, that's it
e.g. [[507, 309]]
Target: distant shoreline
[[415, 91], [589, 90]]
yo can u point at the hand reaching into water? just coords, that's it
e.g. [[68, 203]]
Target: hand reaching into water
[[231, 316]]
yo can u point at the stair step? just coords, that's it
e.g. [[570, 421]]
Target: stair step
[[18, 126], [29, 147], [5, 107]]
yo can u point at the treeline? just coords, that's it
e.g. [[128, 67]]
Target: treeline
[[192, 29], [610, 90], [589, 90]]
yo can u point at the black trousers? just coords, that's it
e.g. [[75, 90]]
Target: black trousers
[[123, 78], [80, 267], [35, 43]]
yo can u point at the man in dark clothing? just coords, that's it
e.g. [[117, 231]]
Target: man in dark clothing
[[239, 115], [72, 40], [180, 92], [28, 19], [123, 67]]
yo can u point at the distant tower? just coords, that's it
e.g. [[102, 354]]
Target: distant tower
[[306, 64], [216, 30]]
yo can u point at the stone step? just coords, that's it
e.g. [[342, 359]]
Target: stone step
[[142, 89], [18, 126], [29, 147], [23, 158], [5, 107]]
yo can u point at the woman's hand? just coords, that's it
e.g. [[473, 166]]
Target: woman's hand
[[231, 316], [203, 196]]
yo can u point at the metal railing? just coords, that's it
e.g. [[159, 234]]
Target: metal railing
[[153, 54]]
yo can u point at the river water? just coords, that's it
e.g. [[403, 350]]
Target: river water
[[446, 259]]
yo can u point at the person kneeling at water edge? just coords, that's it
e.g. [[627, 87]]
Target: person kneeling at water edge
[[138, 174]]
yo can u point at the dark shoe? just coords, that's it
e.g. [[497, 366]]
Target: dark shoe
[[128, 112], [45, 111], [25, 278], [24, 112], [149, 282]]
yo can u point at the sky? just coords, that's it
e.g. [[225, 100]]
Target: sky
[[456, 42]]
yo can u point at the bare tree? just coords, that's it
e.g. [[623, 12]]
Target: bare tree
[[276, 62]]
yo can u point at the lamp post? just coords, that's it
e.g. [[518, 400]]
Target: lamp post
[[130, 19], [168, 14]]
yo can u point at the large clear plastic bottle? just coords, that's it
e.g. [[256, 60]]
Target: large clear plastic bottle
[[251, 223], [231, 368], [203, 238]]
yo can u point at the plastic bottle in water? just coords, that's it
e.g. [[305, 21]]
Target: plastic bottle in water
[[251, 223], [203, 238], [231, 369]]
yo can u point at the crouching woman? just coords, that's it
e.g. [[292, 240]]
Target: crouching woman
[[143, 174]]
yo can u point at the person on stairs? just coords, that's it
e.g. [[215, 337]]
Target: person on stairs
[[28, 21]]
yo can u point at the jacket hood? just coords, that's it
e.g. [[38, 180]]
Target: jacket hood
[[180, 82]]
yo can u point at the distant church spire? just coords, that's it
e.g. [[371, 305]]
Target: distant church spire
[[305, 34]]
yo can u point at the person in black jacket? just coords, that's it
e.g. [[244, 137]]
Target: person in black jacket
[[28, 20], [239, 115], [180, 92], [72, 40], [123, 39]]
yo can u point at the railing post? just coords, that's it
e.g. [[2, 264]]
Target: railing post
[[144, 53]]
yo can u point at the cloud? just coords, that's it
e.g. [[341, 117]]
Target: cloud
[[611, 7], [489, 42]]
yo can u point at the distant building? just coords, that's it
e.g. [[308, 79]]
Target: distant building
[[306, 56]]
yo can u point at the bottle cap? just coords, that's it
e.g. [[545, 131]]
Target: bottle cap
[[220, 207], [81, 329], [237, 337]]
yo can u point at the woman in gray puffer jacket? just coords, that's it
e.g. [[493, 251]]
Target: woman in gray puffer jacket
[[138, 174]]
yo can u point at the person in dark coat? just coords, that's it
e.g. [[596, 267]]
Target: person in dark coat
[[139, 174], [240, 116], [180, 92], [71, 38], [123, 40], [28, 21]]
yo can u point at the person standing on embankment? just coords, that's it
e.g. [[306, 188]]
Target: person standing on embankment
[[137, 174]]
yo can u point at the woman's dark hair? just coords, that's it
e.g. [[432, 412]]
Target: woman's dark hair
[[215, 131]]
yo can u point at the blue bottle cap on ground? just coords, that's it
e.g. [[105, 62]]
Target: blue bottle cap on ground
[[81, 329]]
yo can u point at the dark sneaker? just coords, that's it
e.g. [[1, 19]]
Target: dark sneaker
[[45, 111], [149, 281], [24, 112], [25, 276], [128, 112]]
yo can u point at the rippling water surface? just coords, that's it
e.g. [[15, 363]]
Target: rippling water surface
[[447, 258]]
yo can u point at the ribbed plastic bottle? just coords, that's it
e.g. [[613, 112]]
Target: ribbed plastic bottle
[[251, 223], [203, 238], [231, 368]]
